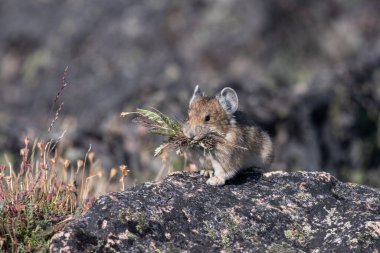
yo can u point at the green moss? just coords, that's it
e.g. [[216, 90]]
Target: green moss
[[229, 223], [131, 236], [298, 232], [250, 234], [364, 240], [304, 196], [225, 240], [339, 191], [140, 219], [210, 232], [280, 248], [289, 234]]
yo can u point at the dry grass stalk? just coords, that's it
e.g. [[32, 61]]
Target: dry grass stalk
[[63, 84], [124, 173]]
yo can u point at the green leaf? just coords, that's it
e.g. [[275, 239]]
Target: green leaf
[[155, 117], [172, 124], [165, 125]]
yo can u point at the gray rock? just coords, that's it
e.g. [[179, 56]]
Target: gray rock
[[273, 212]]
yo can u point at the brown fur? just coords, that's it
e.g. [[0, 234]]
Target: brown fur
[[245, 145]]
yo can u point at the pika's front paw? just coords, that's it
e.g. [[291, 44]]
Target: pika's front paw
[[216, 181], [207, 173]]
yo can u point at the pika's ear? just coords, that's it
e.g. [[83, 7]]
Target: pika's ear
[[197, 93], [228, 99]]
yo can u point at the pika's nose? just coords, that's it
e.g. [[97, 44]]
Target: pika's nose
[[187, 131]]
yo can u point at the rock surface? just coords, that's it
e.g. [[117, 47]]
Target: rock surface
[[273, 212]]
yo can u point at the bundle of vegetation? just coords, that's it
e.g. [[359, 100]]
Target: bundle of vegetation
[[158, 123]]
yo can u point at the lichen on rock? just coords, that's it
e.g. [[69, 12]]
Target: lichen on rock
[[273, 212]]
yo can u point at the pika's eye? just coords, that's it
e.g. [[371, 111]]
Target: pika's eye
[[207, 118]]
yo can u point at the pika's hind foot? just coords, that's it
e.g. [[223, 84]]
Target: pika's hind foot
[[216, 181]]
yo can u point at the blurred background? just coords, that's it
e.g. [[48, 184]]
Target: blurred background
[[306, 71]]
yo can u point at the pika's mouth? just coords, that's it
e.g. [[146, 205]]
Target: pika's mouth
[[198, 138]]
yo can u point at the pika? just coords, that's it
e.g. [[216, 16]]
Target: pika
[[244, 144]]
